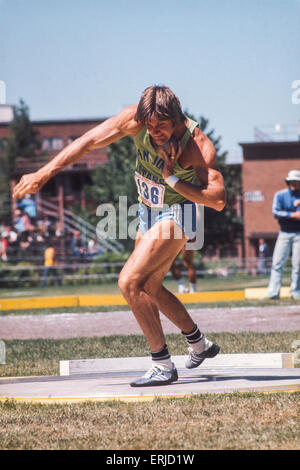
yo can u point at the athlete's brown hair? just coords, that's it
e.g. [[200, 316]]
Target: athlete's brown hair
[[159, 102]]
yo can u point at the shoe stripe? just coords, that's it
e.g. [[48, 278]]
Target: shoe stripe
[[194, 360], [157, 374]]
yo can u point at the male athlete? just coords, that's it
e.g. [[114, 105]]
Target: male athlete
[[167, 184], [188, 263]]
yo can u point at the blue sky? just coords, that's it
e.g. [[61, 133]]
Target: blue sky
[[232, 61]]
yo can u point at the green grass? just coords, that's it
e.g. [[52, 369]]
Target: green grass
[[226, 421], [42, 356], [235, 282], [229, 421]]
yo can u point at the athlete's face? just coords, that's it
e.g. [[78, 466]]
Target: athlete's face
[[160, 131]]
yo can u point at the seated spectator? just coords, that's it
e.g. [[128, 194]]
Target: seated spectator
[[22, 222], [27, 222], [9, 242], [94, 249], [44, 225], [77, 245], [18, 221], [10, 234], [28, 204], [25, 240], [38, 237]]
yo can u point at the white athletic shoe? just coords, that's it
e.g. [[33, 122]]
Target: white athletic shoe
[[182, 289], [156, 376], [194, 359]]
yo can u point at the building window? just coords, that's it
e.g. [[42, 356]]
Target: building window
[[71, 139], [253, 196], [52, 143]]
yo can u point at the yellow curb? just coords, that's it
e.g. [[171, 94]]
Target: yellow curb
[[257, 293], [90, 300], [101, 300], [212, 296], [38, 302]]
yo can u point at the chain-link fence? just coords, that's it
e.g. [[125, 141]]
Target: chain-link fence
[[26, 273]]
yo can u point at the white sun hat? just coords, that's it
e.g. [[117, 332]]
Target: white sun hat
[[294, 175]]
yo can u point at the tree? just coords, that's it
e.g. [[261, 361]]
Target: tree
[[23, 142], [115, 179], [225, 227]]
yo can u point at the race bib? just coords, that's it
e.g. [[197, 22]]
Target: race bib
[[151, 193]]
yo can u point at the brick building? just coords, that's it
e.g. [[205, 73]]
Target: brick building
[[68, 186], [264, 169]]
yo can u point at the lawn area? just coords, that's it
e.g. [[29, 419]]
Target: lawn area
[[235, 282], [226, 421], [229, 421]]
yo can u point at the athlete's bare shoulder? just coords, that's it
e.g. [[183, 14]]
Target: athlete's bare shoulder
[[202, 150], [126, 120]]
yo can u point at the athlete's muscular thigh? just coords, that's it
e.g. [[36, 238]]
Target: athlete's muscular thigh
[[153, 255]]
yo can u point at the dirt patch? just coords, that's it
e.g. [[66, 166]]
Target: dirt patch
[[71, 325]]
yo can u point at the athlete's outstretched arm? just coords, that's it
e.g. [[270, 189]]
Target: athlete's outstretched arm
[[104, 134]]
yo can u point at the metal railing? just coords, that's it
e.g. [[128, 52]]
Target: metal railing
[[277, 133], [67, 272], [11, 275], [73, 222]]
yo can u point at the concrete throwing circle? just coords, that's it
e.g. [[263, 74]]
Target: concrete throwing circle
[[115, 386]]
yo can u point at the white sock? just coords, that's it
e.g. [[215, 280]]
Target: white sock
[[181, 286], [197, 340], [164, 364], [201, 345], [162, 358], [193, 287]]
